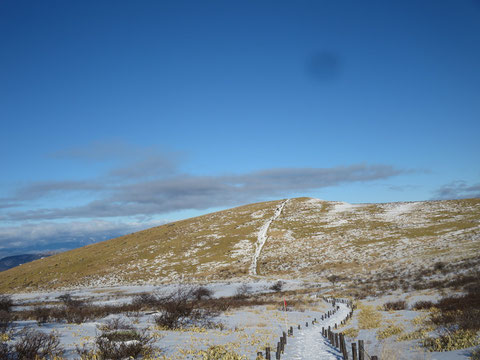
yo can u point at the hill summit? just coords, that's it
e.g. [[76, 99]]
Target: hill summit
[[295, 238]]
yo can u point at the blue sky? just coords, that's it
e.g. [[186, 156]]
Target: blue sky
[[120, 115]]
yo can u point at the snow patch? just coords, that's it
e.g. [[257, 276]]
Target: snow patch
[[262, 237], [395, 211]]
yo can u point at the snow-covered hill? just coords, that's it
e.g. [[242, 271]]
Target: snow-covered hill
[[299, 238]]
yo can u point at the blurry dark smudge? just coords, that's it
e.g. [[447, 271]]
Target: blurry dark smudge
[[323, 66]]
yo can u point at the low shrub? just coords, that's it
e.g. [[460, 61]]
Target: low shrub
[[202, 293], [414, 335], [439, 266], [118, 340], [351, 333], [73, 314], [41, 314], [146, 300], [69, 301], [235, 302], [242, 291], [220, 352], [277, 286], [33, 344], [368, 317], [467, 301], [6, 319], [153, 301], [5, 353], [459, 339], [86, 353], [123, 344], [116, 324], [423, 305], [460, 312], [390, 330], [468, 319], [395, 305], [475, 355], [182, 309], [6, 303]]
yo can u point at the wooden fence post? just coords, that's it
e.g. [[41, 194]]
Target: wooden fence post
[[284, 337], [354, 351], [343, 346], [361, 350], [267, 353]]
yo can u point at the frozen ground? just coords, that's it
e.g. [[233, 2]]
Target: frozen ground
[[246, 330], [308, 343]]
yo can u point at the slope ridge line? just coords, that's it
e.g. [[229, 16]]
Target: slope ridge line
[[262, 237]]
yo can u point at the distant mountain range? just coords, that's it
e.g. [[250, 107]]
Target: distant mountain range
[[9, 262], [300, 238]]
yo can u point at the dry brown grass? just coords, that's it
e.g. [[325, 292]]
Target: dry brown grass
[[302, 241], [195, 248], [369, 317]]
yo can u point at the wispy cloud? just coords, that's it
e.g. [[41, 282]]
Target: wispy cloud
[[131, 161], [42, 189], [141, 183], [186, 191], [149, 166], [457, 190]]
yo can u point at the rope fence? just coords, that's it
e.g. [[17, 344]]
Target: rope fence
[[336, 339]]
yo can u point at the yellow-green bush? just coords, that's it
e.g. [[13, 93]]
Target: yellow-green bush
[[475, 355], [414, 335], [351, 332], [389, 330], [220, 352], [368, 317], [455, 340]]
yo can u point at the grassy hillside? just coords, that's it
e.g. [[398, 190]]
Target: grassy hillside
[[311, 238], [319, 237], [214, 246]]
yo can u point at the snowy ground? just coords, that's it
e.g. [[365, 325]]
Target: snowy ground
[[245, 330], [262, 237], [308, 343]]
